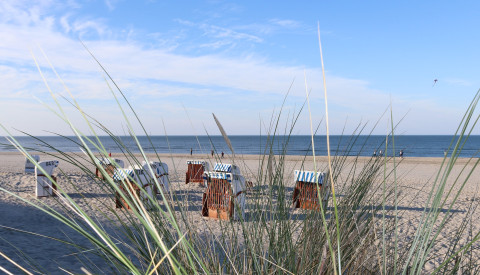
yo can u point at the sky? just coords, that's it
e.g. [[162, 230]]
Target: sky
[[248, 62]]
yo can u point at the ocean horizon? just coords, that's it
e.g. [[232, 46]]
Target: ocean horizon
[[411, 145]]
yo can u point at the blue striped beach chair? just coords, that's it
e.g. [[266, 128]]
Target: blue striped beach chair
[[109, 165], [224, 197], [133, 182], [305, 194]]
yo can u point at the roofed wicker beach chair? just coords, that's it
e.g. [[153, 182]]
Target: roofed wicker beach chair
[[30, 166], [160, 170], [195, 170], [224, 197], [134, 184], [45, 186], [305, 194], [109, 164]]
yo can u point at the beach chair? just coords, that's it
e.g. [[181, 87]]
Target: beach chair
[[224, 197], [108, 165], [133, 182], [195, 170], [160, 170], [305, 194], [45, 186], [30, 166]]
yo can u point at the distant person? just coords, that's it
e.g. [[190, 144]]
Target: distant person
[[375, 153], [380, 153], [212, 153], [222, 154], [401, 154], [191, 151]]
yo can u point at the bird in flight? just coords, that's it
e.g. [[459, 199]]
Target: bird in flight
[[434, 82]]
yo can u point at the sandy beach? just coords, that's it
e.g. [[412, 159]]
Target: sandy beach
[[414, 177]]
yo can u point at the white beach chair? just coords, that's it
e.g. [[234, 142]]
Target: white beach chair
[[45, 186], [160, 170], [29, 166], [305, 194], [137, 181], [224, 197]]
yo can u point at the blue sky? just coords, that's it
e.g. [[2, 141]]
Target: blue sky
[[179, 61]]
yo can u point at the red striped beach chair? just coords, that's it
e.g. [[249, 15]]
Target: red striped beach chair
[[195, 170], [305, 194], [45, 186], [224, 197]]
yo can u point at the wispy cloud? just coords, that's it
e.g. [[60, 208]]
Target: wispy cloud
[[84, 27], [458, 81], [110, 4], [220, 32], [286, 23], [217, 32], [64, 22]]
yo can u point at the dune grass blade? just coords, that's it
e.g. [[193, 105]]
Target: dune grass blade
[[165, 256], [395, 190], [15, 263], [224, 134], [320, 197], [332, 183]]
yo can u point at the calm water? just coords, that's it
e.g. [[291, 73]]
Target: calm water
[[417, 146]]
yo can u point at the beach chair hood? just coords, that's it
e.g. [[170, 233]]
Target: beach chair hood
[[29, 166], [309, 176]]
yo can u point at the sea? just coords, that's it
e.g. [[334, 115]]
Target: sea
[[411, 145]]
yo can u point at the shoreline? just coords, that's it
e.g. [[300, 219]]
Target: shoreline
[[417, 168], [322, 158]]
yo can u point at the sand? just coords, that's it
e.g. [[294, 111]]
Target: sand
[[415, 178]]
